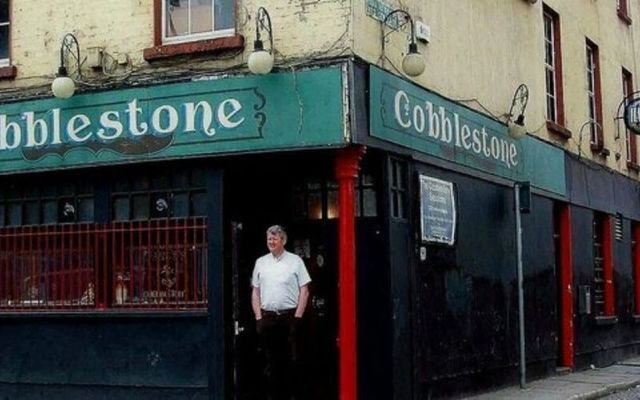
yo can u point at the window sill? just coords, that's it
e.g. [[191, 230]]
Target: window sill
[[9, 72], [632, 166], [210, 46], [624, 17], [558, 130], [600, 150], [66, 314], [606, 320]]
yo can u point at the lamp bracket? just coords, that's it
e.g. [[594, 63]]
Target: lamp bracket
[[263, 23], [396, 20], [519, 102], [70, 55]]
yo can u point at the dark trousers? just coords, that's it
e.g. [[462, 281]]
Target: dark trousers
[[280, 341]]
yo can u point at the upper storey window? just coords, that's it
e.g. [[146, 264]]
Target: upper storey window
[[594, 96], [553, 72], [188, 27], [192, 20], [623, 11], [4, 33]]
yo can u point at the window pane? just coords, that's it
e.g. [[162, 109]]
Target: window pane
[[179, 180], [224, 14], [180, 205], [50, 212], [121, 209], [85, 209], [67, 210], [177, 17], [332, 204], [141, 207], [141, 183], [159, 205], [314, 205], [14, 214], [199, 204], [198, 178], [4, 10], [370, 205], [160, 182], [32, 213], [201, 16]]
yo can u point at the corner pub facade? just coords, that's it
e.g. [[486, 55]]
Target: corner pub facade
[[131, 218]]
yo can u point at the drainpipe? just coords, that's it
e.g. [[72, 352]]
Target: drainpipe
[[523, 365]]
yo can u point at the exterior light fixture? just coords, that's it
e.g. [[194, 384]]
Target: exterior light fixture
[[261, 60], [413, 63], [515, 126], [63, 86]]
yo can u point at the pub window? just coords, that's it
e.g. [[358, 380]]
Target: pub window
[[191, 20], [180, 194], [54, 258], [603, 265], [317, 199], [46, 204], [398, 186]]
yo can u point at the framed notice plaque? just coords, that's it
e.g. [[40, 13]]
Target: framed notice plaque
[[437, 211]]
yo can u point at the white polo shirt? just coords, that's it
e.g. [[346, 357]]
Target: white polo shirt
[[279, 280]]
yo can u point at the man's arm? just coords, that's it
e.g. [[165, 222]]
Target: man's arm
[[255, 303], [303, 298]]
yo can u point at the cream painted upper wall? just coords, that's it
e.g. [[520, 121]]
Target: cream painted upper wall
[[125, 27], [481, 50]]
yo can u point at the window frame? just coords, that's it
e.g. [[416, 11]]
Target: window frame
[[220, 44], [603, 250], [622, 9], [631, 147], [553, 73], [594, 96], [192, 37]]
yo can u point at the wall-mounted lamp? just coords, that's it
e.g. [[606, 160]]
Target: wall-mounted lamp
[[261, 60], [413, 63], [63, 86], [515, 120], [594, 128]]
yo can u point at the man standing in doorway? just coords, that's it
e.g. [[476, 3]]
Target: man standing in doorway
[[279, 297]]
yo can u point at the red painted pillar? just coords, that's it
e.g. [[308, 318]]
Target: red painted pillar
[[566, 289], [347, 167], [607, 255]]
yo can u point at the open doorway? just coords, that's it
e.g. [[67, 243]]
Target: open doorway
[[299, 194]]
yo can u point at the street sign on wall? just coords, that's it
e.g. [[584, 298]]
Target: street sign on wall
[[226, 115]]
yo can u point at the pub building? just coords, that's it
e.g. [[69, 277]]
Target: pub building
[[131, 218]]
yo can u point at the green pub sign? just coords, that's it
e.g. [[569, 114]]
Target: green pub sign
[[407, 115], [226, 115]]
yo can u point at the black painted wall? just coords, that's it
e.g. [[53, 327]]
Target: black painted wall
[[465, 322], [99, 357]]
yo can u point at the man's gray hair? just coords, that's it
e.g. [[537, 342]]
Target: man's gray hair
[[277, 230]]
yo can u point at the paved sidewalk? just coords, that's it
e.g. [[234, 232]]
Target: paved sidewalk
[[590, 384]]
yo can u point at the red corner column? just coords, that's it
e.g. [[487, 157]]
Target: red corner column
[[347, 168]]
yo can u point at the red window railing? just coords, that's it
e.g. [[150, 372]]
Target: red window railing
[[154, 264]]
